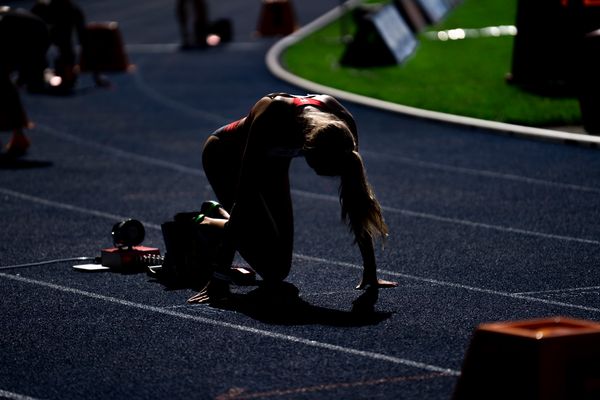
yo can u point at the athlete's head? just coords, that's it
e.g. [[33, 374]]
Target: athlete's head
[[328, 143], [330, 149]]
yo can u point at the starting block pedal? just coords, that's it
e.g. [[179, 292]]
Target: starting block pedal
[[543, 359]]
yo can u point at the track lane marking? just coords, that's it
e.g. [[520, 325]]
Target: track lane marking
[[457, 221], [368, 154], [436, 282], [120, 153], [69, 207], [101, 214], [315, 259], [14, 396], [480, 172], [408, 213], [172, 48], [565, 290], [499, 228], [244, 394], [237, 327], [177, 105], [414, 214]]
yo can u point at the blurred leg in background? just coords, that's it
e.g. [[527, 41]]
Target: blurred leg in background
[[24, 42], [192, 16]]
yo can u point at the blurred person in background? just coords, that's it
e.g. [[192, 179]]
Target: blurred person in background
[[24, 41], [64, 20], [196, 12]]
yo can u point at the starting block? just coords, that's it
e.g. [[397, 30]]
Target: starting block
[[543, 359], [103, 49], [277, 17], [127, 259]]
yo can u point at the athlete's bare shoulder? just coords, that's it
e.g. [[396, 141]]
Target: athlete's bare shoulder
[[274, 103], [272, 110], [338, 109], [328, 100]]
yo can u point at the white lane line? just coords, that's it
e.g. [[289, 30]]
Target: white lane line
[[478, 172], [310, 258], [177, 105], [69, 207], [500, 228], [14, 396], [237, 327], [406, 160], [408, 213], [118, 152], [436, 282], [43, 263], [163, 48], [457, 221], [153, 48], [566, 290]]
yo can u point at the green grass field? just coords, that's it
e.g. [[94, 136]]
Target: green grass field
[[463, 77]]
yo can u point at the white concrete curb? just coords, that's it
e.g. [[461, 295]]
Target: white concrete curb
[[273, 61]]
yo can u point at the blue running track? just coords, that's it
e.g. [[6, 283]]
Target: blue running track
[[484, 227]]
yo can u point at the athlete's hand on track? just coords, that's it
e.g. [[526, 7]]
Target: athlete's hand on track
[[216, 290], [378, 283]]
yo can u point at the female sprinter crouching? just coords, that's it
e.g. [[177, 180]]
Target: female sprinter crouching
[[247, 164]]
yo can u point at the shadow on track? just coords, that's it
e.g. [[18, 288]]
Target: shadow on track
[[7, 162], [283, 306]]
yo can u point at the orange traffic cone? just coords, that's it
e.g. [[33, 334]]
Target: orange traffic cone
[[277, 17], [102, 49]]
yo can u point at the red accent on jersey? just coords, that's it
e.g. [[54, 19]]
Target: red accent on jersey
[[308, 101], [232, 125]]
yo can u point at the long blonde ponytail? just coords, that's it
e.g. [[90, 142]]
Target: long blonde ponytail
[[360, 209], [328, 134]]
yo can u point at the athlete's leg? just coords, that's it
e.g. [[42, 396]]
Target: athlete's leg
[[181, 12], [221, 162], [200, 22], [264, 226], [262, 223]]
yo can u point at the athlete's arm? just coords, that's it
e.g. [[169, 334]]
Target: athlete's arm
[[369, 278]]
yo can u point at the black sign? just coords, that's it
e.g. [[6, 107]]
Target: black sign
[[395, 32], [434, 9]]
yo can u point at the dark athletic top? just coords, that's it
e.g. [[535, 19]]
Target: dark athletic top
[[298, 102]]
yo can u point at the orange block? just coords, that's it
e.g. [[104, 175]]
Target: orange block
[[277, 17], [543, 359], [102, 49]]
